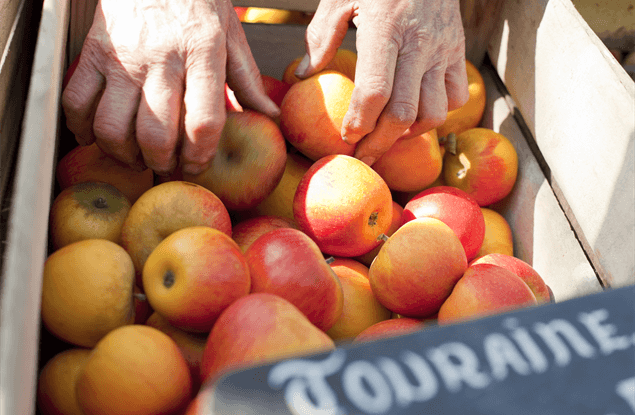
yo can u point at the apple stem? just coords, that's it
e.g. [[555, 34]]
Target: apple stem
[[330, 260], [449, 142], [140, 296], [382, 237], [100, 203]]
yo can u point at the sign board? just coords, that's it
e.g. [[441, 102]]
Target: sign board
[[574, 357]]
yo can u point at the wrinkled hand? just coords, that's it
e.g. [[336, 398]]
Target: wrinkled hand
[[149, 86], [410, 66]]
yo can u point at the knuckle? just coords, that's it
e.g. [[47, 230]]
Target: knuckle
[[401, 114]]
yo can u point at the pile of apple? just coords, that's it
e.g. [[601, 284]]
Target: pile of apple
[[285, 245]]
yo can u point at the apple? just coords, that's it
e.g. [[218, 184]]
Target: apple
[[485, 289], [288, 263], [275, 88], [231, 102], [389, 328], [91, 164], [361, 309], [369, 256], [193, 275], [280, 200], [245, 232], [343, 205], [417, 267], [190, 344], [484, 165], [456, 209], [165, 208], [258, 329], [87, 210], [87, 291], [56, 382], [522, 269], [248, 163]]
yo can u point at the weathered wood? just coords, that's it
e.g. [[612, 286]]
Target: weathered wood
[[28, 223], [612, 20], [579, 105]]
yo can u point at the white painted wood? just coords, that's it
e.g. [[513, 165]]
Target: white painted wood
[[542, 234], [28, 224], [579, 105]]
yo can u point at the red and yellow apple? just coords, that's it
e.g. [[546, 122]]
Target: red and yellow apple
[[246, 231], [485, 289], [248, 163], [343, 205], [390, 328], [193, 275], [288, 263], [456, 209], [258, 329], [417, 267]]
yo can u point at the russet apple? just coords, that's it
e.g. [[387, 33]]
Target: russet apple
[[361, 309], [91, 164], [485, 289], [417, 267], [193, 275], [343, 205], [190, 344], [245, 232], [87, 291], [258, 329], [248, 163], [288, 263], [87, 210], [522, 269], [456, 209], [165, 208]]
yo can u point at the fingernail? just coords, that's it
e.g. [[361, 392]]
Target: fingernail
[[193, 168], [368, 160], [303, 66]]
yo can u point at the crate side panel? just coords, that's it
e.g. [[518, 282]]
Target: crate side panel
[[542, 235], [579, 105]]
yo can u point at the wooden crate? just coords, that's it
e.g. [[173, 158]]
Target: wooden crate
[[552, 89]]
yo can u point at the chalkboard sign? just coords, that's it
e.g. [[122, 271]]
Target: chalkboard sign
[[575, 357]]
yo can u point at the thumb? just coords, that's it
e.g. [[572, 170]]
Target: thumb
[[324, 35]]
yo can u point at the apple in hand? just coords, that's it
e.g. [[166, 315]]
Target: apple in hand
[[248, 163], [87, 211], [258, 329], [485, 289], [166, 208], [525, 271], [286, 262], [193, 275], [91, 164], [417, 267], [456, 209], [343, 205], [246, 231]]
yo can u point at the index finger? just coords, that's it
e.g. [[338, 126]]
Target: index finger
[[374, 76]]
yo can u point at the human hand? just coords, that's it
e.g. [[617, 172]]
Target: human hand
[[410, 66], [150, 83]]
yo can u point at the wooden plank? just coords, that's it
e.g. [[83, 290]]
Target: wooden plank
[[542, 234], [579, 105], [28, 222], [612, 20]]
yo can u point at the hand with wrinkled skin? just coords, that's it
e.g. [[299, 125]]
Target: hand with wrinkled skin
[[410, 66], [149, 86]]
